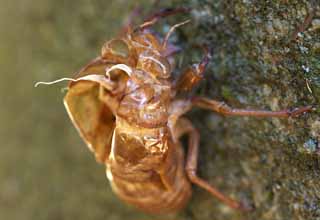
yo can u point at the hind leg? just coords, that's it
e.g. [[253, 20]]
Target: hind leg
[[184, 126]]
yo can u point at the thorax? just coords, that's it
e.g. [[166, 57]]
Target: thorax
[[145, 103]]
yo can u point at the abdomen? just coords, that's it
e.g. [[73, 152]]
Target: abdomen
[[154, 182]]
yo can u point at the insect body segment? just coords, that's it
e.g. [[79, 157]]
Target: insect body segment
[[124, 105]]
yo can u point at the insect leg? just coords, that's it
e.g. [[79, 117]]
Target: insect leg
[[130, 21], [184, 126], [191, 76], [172, 29], [224, 109], [154, 18], [138, 12]]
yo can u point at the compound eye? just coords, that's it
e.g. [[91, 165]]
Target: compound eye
[[117, 48]]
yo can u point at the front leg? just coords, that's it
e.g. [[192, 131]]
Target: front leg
[[191, 76], [154, 18], [224, 109]]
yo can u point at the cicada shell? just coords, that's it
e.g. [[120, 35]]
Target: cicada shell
[[125, 106]]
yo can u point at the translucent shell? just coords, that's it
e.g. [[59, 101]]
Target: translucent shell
[[154, 64], [119, 51], [92, 118], [145, 41]]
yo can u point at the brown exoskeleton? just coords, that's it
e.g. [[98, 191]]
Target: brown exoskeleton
[[124, 105]]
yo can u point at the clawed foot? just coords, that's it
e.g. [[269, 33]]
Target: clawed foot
[[298, 111]]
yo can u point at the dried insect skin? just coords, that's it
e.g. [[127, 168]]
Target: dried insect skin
[[124, 107], [146, 168], [126, 127]]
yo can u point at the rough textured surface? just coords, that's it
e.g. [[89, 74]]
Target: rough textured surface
[[46, 171]]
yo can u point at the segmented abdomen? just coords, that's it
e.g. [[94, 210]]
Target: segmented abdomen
[[155, 183]]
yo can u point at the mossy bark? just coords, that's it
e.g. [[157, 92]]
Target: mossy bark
[[274, 163], [271, 163]]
